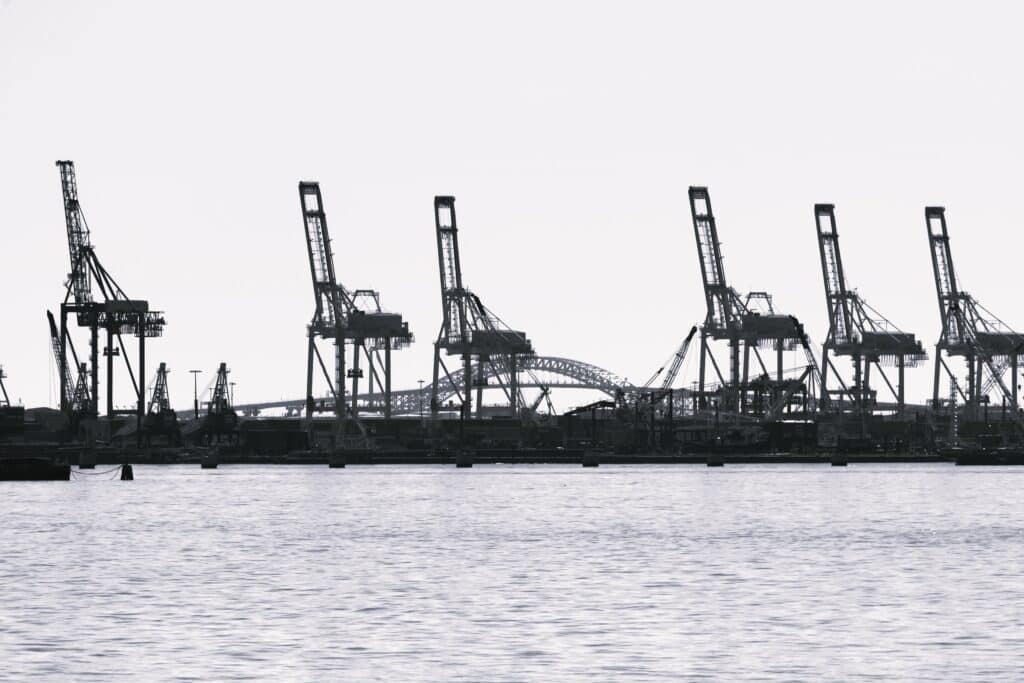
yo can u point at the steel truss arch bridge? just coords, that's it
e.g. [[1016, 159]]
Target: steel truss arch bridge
[[537, 372]]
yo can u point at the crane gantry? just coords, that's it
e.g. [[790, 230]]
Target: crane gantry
[[112, 312], [988, 346], [469, 329], [345, 317], [857, 331]]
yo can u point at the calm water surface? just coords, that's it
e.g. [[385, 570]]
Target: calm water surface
[[508, 573]]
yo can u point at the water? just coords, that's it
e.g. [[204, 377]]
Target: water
[[509, 573]]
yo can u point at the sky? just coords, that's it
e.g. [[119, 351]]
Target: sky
[[568, 132]]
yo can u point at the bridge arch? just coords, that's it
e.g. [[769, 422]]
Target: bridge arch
[[535, 372]]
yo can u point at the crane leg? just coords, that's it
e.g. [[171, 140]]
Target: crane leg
[[467, 381], [310, 351], [110, 372], [355, 377], [433, 386], [387, 379]]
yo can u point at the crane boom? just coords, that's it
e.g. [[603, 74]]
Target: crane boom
[[841, 323], [79, 244], [67, 385], [677, 360], [454, 297], [955, 327], [332, 301], [720, 299]]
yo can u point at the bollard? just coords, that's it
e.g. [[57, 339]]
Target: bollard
[[87, 460], [590, 460], [209, 462], [839, 460], [126, 473], [464, 459], [715, 460], [336, 460]]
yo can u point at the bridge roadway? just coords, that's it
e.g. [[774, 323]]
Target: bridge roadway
[[536, 372]]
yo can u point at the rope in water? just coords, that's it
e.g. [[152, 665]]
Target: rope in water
[[96, 474]]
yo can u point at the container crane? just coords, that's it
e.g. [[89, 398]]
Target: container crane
[[469, 329], [112, 311], [747, 323], [988, 345], [857, 331], [345, 318]]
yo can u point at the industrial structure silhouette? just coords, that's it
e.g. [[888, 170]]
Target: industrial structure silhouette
[[743, 400]]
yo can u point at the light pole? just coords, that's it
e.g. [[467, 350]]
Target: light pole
[[195, 391]]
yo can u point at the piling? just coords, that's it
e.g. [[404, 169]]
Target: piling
[[126, 473], [87, 460]]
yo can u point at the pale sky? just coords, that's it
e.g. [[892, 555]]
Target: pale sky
[[568, 133]]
